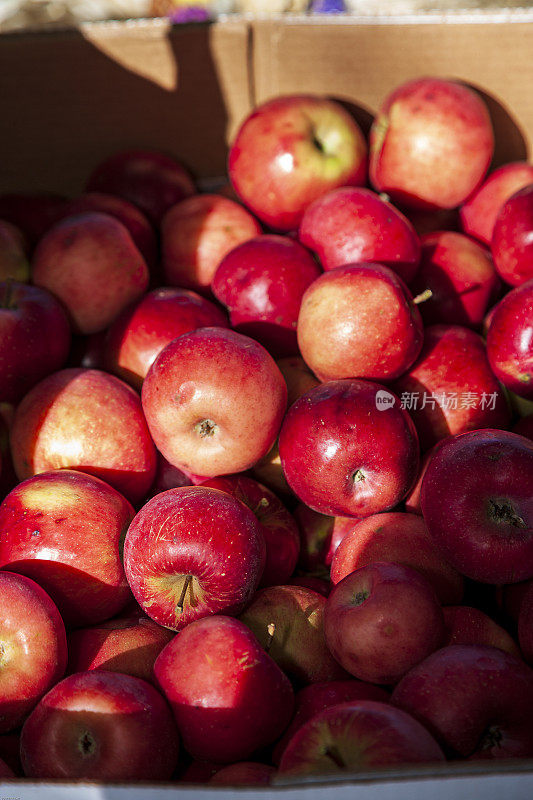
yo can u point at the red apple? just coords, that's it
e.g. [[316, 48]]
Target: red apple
[[412, 501], [100, 726], [140, 229], [381, 620], [14, 264], [512, 238], [477, 503], [510, 340], [262, 282], [359, 321], [403, 539], [214, 401], [478, 214], [451, 389], [151, 180], [199, 772], [197, 233], [34, 338], [87, 420], [228, 696], [139, 334], [33, 214], [466, 625], [33, 647], [92, 265], [291, 150], [431, 144], [341, 474], [475, 699], [167, 477], [353, 225], [288, 621], [65, 530], [525, 624], [277, 525], [244, 773], [10, 755], [319, 585], [181, 562], [358, 736], [461, 277]]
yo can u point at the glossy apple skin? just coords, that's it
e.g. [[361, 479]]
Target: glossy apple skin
[[313, 699], [65, 530], [510, 340], [354, 225], [129, 643], [262, 282], [454, 386], [461, 276], [55, 424], [467, 625], [100, 726], [13, 259], [291, 150], [33, 214], [478, 214], [431, 144], [197, 233], [277, 525], [228, 696], [34, 338], [475, 699], [139, 334], [296, 641], [33, 647], [184, 532], [337, 473], [244, 773], [150, 180], [214, 401], [358, 736], [401, 538], [141, 230], [359, 321], [477, 503], [381, 620], [92, 265], [512, 238]]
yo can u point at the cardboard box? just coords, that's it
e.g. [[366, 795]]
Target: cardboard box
[[69, 98]]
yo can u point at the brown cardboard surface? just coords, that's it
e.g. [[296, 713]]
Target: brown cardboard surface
[[70, 98], [361, 62]]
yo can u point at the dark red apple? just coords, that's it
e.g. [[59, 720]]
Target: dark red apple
[[86, 420], [191, 552], [353, 225], [92, 265], [139, 334], [33, 214], [477, 503], [348, 449], [14, 264], [451, 388], [316, 531], [512, 238], [197, 233], [460, 276], [262, 282], [34, 338], [524, 427], [359, 321], [316, 584], [510, 340], [467, 625], [33, 647], [431, 143], [475, 699], [291, 150], [151, 180], [100, 726], [525, 624], [244, 773], [401, 538], [228, 696], [214, 401], [167, 477], [65, 530]]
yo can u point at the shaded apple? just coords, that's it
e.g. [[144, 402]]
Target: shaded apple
[[244, 773], [14, 264], [467, 625], [33, 214], [512, 238], [298, 377], [525, 624]]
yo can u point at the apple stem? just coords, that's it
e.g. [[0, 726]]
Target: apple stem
[[186, 584], [263, 503], [333, 753], [422, 297], [271, 629]]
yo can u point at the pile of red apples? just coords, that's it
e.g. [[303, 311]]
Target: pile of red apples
[[267, 454]]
